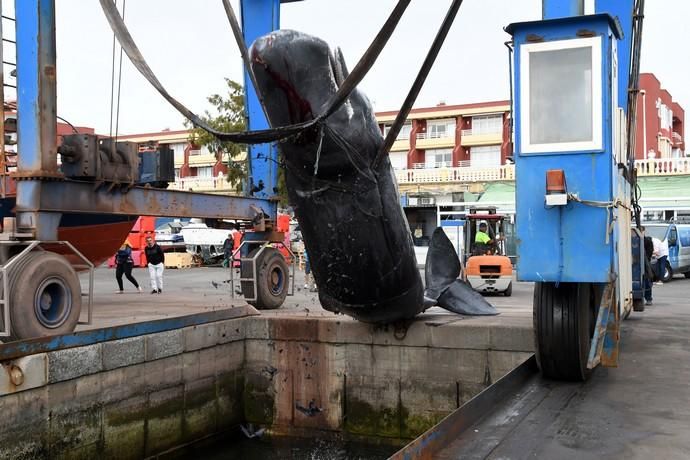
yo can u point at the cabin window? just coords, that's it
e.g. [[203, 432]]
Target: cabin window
[[560, 91]]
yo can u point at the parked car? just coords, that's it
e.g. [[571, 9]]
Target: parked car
[[677, 235]]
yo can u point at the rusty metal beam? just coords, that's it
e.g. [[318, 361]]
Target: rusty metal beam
[[85, 197], [431, 442]]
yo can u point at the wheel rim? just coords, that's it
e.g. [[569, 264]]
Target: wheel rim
[[275, 280], [52, 302]]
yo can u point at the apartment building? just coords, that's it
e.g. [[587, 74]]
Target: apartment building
[[660, 122], [446, 136]]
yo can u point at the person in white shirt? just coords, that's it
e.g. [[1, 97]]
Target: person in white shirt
[[662, 259]]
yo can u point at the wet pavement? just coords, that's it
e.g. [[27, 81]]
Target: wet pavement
[[640, 410], [196, 290]]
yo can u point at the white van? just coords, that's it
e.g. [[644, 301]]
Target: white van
[[677, 235]]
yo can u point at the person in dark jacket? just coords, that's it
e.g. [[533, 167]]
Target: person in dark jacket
[[228, 248], [156, 261], [648, 271], [124, 265]]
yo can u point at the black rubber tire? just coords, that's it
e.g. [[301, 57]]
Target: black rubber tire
[[687, 274], [43, 279], [668, 273], [509, 290], [564, 318], [638, 306], [272, 279]]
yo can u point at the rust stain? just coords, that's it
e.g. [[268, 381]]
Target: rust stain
[[585, 33], [15, 376], [49, 71], [304, 371]]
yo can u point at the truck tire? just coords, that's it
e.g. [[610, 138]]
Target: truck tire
[[638, 305], [45, 296], [564, 320], [272, 279]]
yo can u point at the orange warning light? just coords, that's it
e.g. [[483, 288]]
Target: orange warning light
[[555, 181]]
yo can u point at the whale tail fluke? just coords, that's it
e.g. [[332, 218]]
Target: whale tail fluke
[[443, 285]]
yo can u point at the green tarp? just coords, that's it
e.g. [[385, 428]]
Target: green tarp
[[654, 189], [675, 188], [499, 192]]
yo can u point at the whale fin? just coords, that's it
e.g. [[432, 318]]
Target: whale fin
[[460, 298], [442, 265], [441, 273]]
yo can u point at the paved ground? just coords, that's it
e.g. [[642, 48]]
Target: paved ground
[[640, 410], [195, 290]]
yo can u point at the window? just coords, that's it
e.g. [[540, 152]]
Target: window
[[439, 158], [487, 156], [178, 151], [403, 134], [177, 173], [487, 124], [665, 114], [206, 171], [457, 197], [436, 129], [560, 91], [398, 160]]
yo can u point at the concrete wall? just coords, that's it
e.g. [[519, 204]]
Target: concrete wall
[[370, 381], [141, 396], [128, 398]]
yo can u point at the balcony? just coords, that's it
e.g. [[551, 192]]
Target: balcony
[[663, 167], [471, 138], [201, 159], [401, 145], [203, 184], [438, 164], [435, 140], [459, 174]]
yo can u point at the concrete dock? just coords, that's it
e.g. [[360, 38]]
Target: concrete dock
[[197, 290]]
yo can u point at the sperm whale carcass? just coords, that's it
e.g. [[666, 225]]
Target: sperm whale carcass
[[354, 228]]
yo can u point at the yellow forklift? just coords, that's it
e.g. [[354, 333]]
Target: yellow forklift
[[487, 267]]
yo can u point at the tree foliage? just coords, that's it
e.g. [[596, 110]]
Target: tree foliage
[[227, 116]]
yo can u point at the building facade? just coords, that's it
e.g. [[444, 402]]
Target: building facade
[[445, 136], [660, 122]]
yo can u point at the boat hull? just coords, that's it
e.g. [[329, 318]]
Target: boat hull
[[96, 236]]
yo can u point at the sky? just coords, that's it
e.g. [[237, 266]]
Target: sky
[[189, 45]]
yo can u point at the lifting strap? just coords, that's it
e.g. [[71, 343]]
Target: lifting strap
[[418, 82], [354, 78], [266, 135]]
